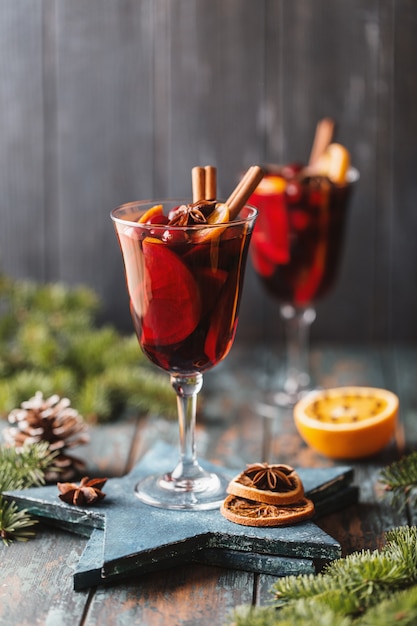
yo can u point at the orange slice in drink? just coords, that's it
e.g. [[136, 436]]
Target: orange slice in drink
[[334, 163], [347, 422], [170, 297], [157, 209], [219, 215], [271, 184]]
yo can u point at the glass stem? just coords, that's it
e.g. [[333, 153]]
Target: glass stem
[[297, 322], [187, 389]]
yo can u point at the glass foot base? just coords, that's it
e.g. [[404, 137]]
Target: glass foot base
[[277, 401], [287, 399], [292, 386], [165, 492]]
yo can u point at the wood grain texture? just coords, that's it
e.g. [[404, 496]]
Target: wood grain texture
[[22, 181], [404, 161], [183, 595], [104, 102], [36, 580]]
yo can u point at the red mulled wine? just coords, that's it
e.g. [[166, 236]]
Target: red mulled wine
[[184, 281], [298, 236]]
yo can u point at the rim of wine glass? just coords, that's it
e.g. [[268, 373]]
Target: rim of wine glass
[[179, 202], [352, 175]]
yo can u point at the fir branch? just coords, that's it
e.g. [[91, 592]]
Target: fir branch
[[15, 524], [49, 343], [346, 590], [22, 385], [399, 479], [399, 610], [360, 578], [19, 470]]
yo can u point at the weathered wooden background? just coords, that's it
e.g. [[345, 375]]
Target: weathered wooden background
[[107, 101]]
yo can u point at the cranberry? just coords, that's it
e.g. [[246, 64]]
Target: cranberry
[[175, 236], [294, 191], [158, 219], [291, 170]]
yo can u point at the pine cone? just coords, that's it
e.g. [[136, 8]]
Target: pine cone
[[52, 420]]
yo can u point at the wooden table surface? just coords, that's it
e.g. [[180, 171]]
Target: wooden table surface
[[36, 585]]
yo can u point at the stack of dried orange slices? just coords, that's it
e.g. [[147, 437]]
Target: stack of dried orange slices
[[347, 422], [267, 495]]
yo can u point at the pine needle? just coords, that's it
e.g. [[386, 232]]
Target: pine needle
[[348, 591], [49, 342], [400, 478], [20, 470], [15, 524]]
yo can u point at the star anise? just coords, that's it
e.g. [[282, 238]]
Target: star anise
[[189, 214], [87, 492], [271, 477]]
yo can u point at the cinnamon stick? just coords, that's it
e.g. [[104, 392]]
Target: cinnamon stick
[[198, 179], [244, 190], [211, 182], [239, 186], [322, 138]]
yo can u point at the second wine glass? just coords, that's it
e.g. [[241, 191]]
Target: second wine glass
[[296, 251]]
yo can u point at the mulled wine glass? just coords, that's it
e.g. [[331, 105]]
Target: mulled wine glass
[[296, 250], [184, 284]]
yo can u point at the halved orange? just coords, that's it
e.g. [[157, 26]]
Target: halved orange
[[347, 422]]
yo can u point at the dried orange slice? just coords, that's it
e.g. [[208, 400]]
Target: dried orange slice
[[286, 487], [334, 163], [250, 513], [347, 422]]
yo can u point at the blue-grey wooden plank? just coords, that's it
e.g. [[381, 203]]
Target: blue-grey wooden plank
[[105, 133], [22, 189]]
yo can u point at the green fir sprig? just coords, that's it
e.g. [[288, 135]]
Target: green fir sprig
[[349, 592], [15, 524], [20, 470], [50, 342], [400, 480]]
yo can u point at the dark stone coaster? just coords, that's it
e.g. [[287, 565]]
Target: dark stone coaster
[[336, 501], [257, 563], [138, 537], [321, 482], [88, 570]]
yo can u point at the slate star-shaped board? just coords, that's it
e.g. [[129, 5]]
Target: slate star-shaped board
[[128, 537]]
